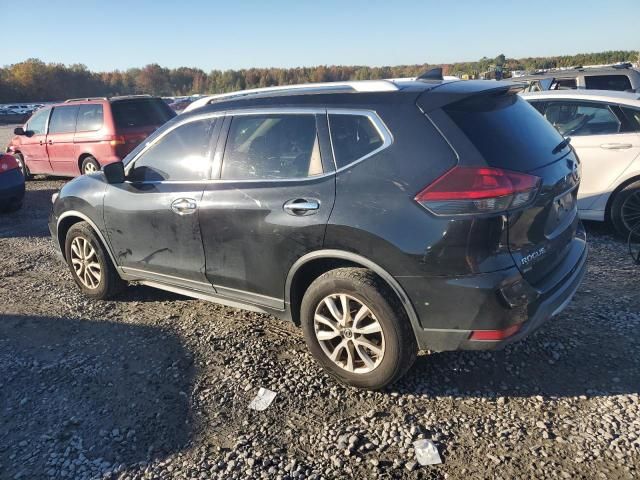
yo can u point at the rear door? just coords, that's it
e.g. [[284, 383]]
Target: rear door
[[60, 140], [152, 219], [33, 144], [271, 204], [604, 149]]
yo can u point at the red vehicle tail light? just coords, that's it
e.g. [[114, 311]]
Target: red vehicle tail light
[[468, 190], [8, 162], [117, 140]]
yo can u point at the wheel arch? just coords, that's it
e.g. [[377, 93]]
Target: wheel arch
[[310, 266], [612, 195], [70, 218]]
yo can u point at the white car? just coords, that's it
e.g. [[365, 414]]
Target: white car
[[604, 127]]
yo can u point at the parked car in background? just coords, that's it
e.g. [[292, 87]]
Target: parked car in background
[[11, 184], [621, 77], [383, 217], [82, 135], [604, 127]]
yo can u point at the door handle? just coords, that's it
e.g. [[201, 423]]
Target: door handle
[[301, 206], [41, 142], [50, 142], [616, 146], [184, 206]]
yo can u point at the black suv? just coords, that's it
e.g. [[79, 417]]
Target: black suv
[[383, 217]]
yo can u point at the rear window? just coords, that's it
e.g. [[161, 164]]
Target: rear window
[[141, 113], [507, 131], [607, 82]]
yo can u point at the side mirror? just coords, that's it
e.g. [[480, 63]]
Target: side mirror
[[114, 172], [19, 131]]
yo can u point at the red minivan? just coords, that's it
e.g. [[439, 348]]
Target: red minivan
[[81, 135]]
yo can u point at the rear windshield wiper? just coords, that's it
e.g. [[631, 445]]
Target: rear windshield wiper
[[561, 145]]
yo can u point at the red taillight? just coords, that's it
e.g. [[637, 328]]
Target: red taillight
[[8, 162], [494, 335], [465, 190]]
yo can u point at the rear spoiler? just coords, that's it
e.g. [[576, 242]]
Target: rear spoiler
[[447, 93]]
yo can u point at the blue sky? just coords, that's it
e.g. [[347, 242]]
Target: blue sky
[[109, 34]]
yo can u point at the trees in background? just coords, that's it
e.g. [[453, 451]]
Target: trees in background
[[34, 80]]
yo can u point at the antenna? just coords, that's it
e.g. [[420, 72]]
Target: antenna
[[433, 74]]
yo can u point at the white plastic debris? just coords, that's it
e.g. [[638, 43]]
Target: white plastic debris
[[426, 452], [262, 400]]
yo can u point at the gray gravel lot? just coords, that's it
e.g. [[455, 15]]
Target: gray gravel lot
[[154, 385]]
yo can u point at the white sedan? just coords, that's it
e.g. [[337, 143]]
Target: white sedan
[[604, 127]]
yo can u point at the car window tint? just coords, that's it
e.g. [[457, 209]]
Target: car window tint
[[575, 118], [181, 155], [632, 116], [607, 82], [141, 113], [272, 147], [63, 120], [563, 84], [353, 137], [38, 122], [89, 118], [539, 106]]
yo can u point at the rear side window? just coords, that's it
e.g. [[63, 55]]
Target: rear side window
[[578, 118], [507, 131], [607, 82], [353, 137], [38, 122], [272, 147], [181, 155], [632, 117], [141, 113], [564, 84], [63, 120], [89, 118]]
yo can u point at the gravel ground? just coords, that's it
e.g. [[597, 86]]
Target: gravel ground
[[155, 385]]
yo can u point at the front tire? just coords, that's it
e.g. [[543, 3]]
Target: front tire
[[625, 210], [23, 166], [356, 328], [89, 165], [90, 265]]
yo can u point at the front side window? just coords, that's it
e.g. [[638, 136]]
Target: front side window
[[607, 82], [181, 155], [576, 118], [63, 120], [37, 124], [278, 146], [353, 137], [89, 118]]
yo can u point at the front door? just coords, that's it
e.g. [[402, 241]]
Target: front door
[[595, 133], [270, 205], [152, 219], [33, 143], [60, 146]]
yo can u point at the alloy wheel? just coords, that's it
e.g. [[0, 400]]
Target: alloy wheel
[[90, 167], [84, 260], [349, 333], [630, 212]]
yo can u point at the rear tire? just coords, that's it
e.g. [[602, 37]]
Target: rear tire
[[372, 346], [625, 210], [89, 165], [89, 262]]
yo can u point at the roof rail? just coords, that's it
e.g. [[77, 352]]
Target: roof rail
[[122, 97], [355, 86], [86, 99]]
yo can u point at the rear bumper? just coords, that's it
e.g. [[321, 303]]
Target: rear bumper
[[458, 307], [11, 186]]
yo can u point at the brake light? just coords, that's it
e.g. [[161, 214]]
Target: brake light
[[8, 162], [117, 140], [467, 190]]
